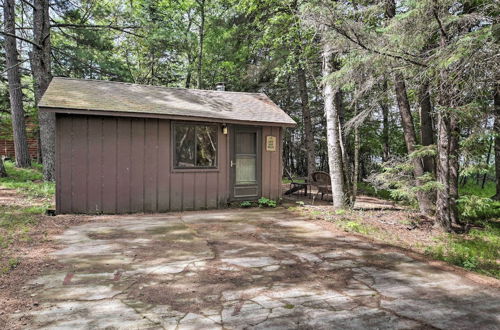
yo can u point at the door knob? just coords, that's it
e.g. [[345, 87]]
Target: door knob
[[233, 164]]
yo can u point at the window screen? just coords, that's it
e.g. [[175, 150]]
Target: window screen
[[195, 146]]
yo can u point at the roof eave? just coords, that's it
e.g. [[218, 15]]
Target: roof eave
[[113, 113]]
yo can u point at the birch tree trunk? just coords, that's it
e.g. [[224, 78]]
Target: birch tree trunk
[[306, 117], [424, 202], [333, 137], [15, 91], [40, 65]]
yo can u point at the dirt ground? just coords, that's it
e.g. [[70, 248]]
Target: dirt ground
[[393, 223], [235, 269], [33, 250]]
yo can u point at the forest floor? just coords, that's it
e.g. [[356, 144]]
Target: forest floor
[[386, 221]]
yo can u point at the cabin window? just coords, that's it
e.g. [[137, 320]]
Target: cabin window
[[195, 146]]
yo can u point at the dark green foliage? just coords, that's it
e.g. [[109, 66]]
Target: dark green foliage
[[246, 204], [266, 202]]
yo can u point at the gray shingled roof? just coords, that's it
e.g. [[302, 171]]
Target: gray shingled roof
[[100, 95]]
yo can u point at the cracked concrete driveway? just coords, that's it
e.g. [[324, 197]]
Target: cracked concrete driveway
[[256, 269]]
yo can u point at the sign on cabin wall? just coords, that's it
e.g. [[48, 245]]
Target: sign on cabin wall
[[270, 143]]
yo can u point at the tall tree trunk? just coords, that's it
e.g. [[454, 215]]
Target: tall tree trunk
[[496, 129], [306, 117], [424, 202], [356, 157], [453, 169], [488, 158], [15, 91], [333, 137], [188, 75], [443, 194], [3, 172], [346, 164], [385, 126], [448, 146], [201, 3], [426, 131], [40, 65]]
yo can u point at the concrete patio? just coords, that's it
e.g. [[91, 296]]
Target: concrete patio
[[251, 269]]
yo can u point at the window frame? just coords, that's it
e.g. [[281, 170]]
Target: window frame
[[174, 147]]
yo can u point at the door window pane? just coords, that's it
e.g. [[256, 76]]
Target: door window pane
[[246, 143], [246, 169]]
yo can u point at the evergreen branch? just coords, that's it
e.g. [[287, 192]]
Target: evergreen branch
[[97, 26], [356, 40], [13, 66], [8, 34]]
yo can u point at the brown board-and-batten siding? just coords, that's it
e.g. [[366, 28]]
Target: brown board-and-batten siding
[[124, 165], [272, 171]]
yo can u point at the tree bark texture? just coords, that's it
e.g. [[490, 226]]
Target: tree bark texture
[[357, 144], [443, 194], [496, 129], [424, 202], [306, 117], [41, 67], [448, 149], [454, 158], [3, 172], [426, 131], [15, 89], [346, 164], [333, 137], [385, 126]]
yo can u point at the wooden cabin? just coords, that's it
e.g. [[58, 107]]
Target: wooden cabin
[[125, 148]]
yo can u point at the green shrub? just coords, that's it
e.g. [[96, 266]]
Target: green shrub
[[474, 207], [266, 202], [356, 227], [365, 188], [246, 204]]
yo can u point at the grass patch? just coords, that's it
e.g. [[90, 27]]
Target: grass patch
[[288, 181], [27, 181], [478, 251], [16, 222], [472, 188]]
